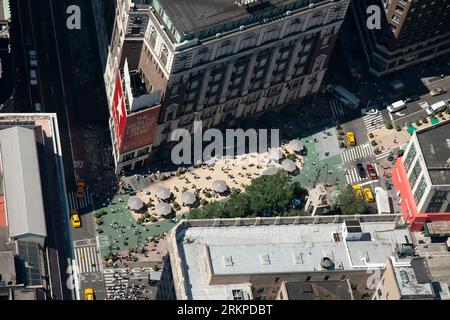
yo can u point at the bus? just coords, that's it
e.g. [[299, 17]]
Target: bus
[[343, 95]]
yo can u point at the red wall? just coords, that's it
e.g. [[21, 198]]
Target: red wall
[[414, 218]]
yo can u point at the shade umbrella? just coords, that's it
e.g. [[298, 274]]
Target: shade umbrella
[[296, 145], [219, 186], [163, 193], [135, 203], [276, 154], [434, 120], [188, 198], [288, 165], [163, 209]]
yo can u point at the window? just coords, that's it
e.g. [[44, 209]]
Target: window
[[409, 157], [420, 190], [152, 39], [438, 199], [143, 152], [128, 156], [414, 174], [164, 55]]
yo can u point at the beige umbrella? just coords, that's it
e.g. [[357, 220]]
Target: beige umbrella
[[135, 203], [163, 193], [288, 165], [296, 145], [188, 198], [219, 186], [163, 209]]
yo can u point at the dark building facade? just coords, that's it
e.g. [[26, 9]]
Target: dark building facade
[[412, 31]]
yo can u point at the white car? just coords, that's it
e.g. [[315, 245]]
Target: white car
[[396, 106]]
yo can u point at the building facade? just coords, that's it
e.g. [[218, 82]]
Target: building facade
[[412, 31], [226, 61], [422, 176]]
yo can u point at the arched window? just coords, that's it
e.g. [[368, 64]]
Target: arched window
[[153, 36], [164, 55]]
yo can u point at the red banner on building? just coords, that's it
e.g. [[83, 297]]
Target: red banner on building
[[119, 112], [140, 129]]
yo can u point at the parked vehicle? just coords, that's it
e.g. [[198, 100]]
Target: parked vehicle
[[437, 107], [437, 91], [368, 195], [361, 170], [412, 98], [358, 191], [396, 106], [382, 199], [372, 172], [37, 107]]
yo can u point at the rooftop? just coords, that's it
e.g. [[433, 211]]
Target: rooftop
[[435, 145], [320, 290], [23, 193], [195, 15], [412, 277], [274, 249]]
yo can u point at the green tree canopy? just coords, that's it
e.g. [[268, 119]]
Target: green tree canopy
[[349, 203]]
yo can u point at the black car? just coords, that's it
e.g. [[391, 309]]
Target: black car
[[361, 170], [412, 98]]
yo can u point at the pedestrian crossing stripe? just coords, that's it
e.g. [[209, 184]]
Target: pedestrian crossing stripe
[[358, 152], [373, 122], [77, 204], [382, 155], [87, 259], [353, 177], [337, 108]]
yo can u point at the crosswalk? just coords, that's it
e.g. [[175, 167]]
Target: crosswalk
[[338, 109], [78, 204], [359, 152], [87, 260], [373, 122], [117, 279], [353, 177], [382, 155]]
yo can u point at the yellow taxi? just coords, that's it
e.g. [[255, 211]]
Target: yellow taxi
[[75, 219], [89, 294], [351, 141], [358, 191], [368, 195], [81, 185]]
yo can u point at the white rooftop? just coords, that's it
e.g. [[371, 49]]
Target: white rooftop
[[277, 249]]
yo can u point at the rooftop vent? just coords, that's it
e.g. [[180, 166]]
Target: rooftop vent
[[327, 263], [264, 258], [298, 258], [228, 261]]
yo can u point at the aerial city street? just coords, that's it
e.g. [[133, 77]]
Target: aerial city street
[[224, 150]]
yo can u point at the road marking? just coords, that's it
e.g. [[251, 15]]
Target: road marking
[[359, 152], [382, 155], [77, 204], [87, 259], [373, 122]]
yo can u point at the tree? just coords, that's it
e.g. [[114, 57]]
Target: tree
[[349, 203], [296, 213], [270, 192], [238, 206]]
